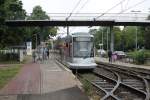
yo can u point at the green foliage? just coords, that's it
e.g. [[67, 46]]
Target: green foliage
[[128, 36], [87, 86], [8, 73], [147, 38], [138, 56], [14, 10], [42, 33], [11, 10], [38, 14], [103, 31], [117, 38], [123, 40], [147, 53], [98, 36]]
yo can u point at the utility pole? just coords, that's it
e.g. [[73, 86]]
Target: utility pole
[[36, 41], [67, 30], [107, 38], [136, 32], [111, 39], [136, 38], [102, 39]]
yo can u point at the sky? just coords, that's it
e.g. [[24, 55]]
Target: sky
[[86, 6]]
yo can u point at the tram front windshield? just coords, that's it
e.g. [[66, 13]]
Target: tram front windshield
[[83, 47]]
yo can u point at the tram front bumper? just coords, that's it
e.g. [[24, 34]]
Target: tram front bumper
[[82, 66]]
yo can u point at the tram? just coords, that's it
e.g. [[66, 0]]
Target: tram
[[77, 50]]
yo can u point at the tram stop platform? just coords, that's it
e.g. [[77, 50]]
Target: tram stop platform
[[44, 80], [117, 62]]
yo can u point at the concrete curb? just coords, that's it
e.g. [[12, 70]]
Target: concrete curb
[[60, 64], [79, 84]]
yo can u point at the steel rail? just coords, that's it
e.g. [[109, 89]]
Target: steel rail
[[135, 74], [127, 86], [108, 94], [124, 85]]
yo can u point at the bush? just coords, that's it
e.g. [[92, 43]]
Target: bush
[[139, 57], [147, 54]]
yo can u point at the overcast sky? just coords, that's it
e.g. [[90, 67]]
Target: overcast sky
[[91, 6]]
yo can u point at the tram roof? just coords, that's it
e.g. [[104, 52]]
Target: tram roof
[[41, 23]]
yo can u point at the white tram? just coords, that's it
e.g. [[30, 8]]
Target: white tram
[[77, 51]]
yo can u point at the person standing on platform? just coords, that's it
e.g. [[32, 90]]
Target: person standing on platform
[[110, 55], [34, 55], [47, 52]]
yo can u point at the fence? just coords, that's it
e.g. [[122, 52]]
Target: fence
[[11, 55]]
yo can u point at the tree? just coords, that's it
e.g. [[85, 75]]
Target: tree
[[38, 14], [11, 9], [144, 36], [103, 31], [128, 36], [42, 33], [117, 38], [2, 19], [147, 36]]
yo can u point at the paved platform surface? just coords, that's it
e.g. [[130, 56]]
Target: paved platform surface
[[43, 81], [100, 59], [27, 81]]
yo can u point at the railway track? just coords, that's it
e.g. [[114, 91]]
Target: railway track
[[137, 72], [114, 83]]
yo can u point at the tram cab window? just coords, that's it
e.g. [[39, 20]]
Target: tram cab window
[[83, 47]]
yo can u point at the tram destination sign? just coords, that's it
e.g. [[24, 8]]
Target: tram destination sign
[[82, 39]]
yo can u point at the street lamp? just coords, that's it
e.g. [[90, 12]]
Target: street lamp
[[136, 38]]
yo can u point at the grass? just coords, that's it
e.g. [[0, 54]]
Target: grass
[[10, 62], [88, 88], [6, 74]]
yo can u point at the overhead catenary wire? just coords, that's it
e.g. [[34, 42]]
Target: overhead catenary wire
[[109, 9], [132, 6], [73, 9], [124, 9], [127, 3], [82, 6], [79, 11]]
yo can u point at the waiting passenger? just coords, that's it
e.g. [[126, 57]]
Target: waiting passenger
[[110, 55], [34, 55], [47, 52], [114, 57]]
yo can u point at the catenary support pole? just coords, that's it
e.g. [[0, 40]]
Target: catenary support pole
[[67, 30], [107, 39], [111, 39]]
